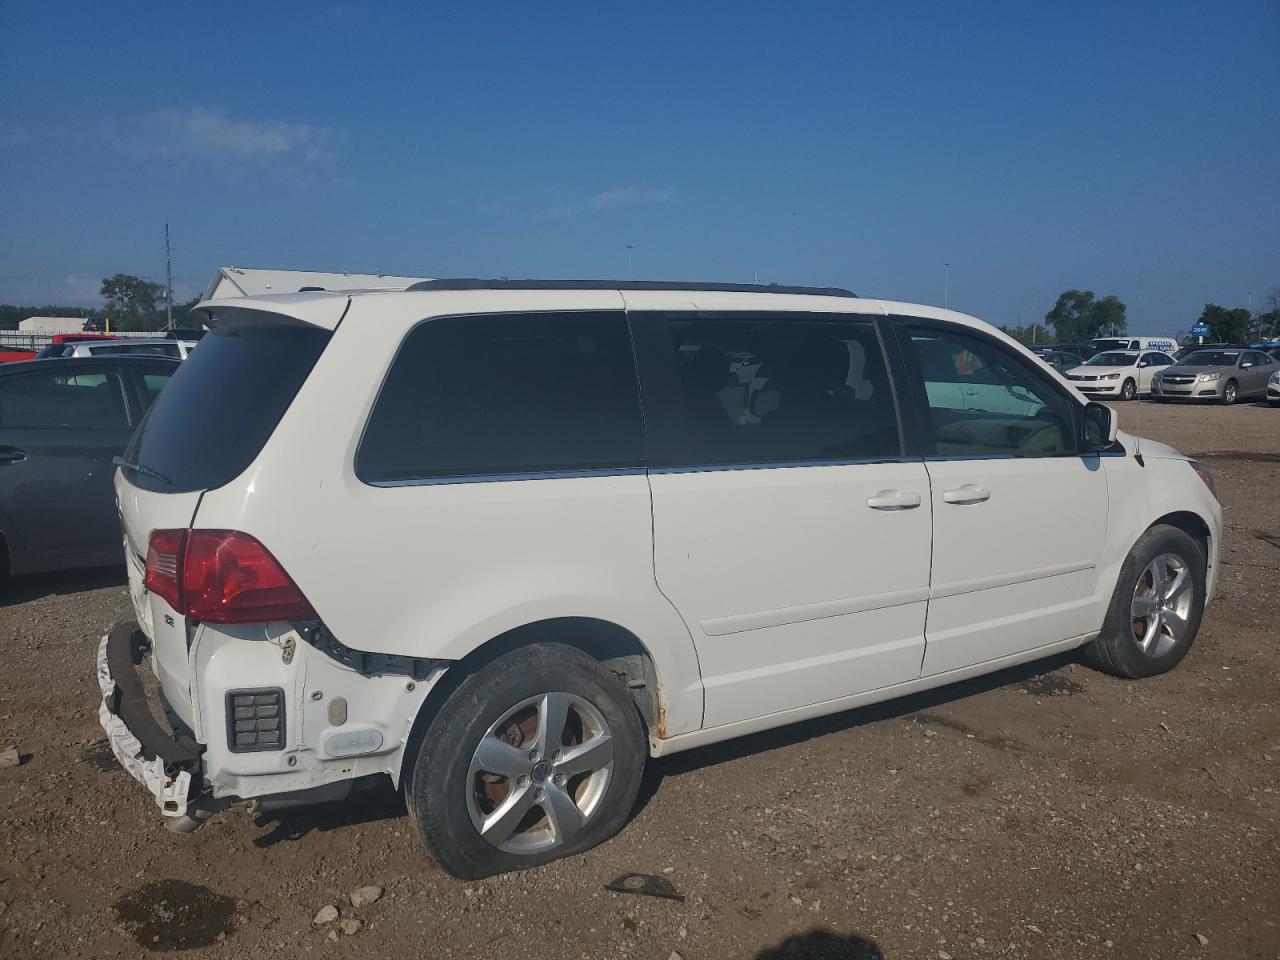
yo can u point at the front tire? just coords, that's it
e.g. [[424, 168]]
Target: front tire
[[1129, 390], [1156, 609], [536, 756], [1229, 393]]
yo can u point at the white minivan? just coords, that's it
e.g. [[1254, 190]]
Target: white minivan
[[504, 541]]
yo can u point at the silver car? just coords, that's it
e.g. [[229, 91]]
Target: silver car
[[1222, 376]]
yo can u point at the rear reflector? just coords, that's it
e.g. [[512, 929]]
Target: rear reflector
[[222, 576]]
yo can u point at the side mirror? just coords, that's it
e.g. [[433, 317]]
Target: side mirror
[[1246, 364], [1143, 363], [1099, 429]]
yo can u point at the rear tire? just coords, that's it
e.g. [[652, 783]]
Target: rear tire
[[1146, 632], [561, 795], [1229, 393], [1129, 390]]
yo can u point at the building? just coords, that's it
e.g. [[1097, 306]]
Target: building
[[48, 326], [247, 281]]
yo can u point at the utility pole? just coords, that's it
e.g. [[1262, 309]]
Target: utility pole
[[168, 282]]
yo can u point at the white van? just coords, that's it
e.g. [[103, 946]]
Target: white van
[[503, 541], [1163, 344]]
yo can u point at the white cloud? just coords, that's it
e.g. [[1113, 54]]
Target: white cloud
[[615, 199], [209, 134], [299, 154], [631, 197]]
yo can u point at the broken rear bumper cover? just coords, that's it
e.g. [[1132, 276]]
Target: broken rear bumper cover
[[168, 765], [329, 717]]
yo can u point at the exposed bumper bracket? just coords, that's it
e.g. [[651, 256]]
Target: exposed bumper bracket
[[162, 762]]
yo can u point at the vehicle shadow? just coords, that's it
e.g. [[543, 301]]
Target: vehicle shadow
[[736, 749], [35, 586], [369, 804], [821, 944], [379, 800]]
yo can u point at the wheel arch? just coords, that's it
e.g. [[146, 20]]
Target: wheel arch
[[610, 643], [1193, 525]]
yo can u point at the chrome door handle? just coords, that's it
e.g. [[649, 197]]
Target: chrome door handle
[[969, 493], [894, 500]]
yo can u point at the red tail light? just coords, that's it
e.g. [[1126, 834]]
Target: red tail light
[[222, 576], [164, 565]]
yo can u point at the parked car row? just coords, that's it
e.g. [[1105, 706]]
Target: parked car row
[[1222, 373]]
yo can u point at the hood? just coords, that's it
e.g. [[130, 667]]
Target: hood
[[1152, 449], [1086, 370]]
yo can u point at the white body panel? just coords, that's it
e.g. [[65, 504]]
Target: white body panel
[[763, 596], [1019, 565], [795, 590]]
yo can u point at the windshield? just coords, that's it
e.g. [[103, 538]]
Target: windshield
[[1113, 359], [221, 405], [1212, 358]]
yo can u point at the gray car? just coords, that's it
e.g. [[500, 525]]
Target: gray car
[[1221, 376]]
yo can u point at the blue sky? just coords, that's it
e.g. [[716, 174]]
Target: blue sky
[[1034, 147]]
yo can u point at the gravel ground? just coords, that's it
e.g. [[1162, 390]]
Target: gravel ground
[[1047, 811]]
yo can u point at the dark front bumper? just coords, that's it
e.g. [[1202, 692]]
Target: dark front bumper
[[165, 762]]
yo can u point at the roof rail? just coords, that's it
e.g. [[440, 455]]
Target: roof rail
[[472, 283]]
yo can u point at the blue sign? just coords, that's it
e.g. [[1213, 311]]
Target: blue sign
[[1200, 330]]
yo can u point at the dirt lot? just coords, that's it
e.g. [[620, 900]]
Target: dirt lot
[[1048, 811]]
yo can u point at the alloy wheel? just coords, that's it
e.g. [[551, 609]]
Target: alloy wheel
[[540, 773], [1161, 606]]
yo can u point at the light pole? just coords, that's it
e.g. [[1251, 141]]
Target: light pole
[[946, 284], [629, 248]]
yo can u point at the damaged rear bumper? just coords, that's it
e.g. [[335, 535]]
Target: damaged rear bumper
[[166, 763]]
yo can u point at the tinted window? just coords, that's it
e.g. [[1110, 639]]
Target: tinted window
[[1257, 357], [1113, 344], [1113, 359], [781, 391], [152, 383], [138, 349], [1212, 358], [505, 394], [221, 405], [62, 398], [983, 401], [1156, 359]]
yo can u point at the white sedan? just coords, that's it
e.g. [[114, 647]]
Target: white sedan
[[1123, 374]]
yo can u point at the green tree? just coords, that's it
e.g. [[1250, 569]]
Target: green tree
[[1078, 317], [131, 301], [1226, 326], [1108, 316], [1031, 334], [1266, 323]]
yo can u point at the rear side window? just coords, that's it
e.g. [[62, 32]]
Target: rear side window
[[221, 405], [502, 394], [63, 399], [766, 390]]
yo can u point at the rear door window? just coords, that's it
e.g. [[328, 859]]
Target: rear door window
[[505, 394], [61, 398], [222, 404], [770, 390]]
